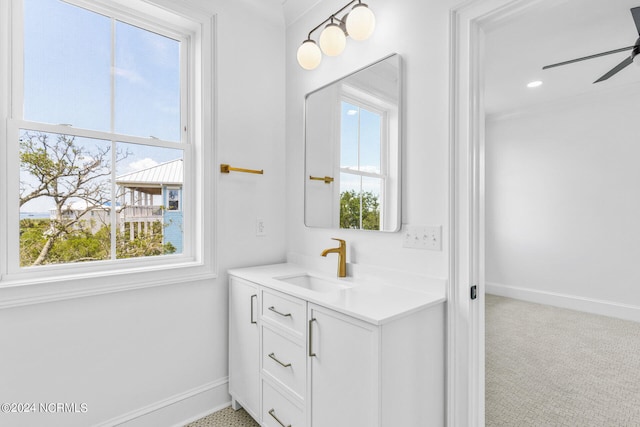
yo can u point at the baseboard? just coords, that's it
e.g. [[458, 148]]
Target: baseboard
[[178, 410], [572, 302]]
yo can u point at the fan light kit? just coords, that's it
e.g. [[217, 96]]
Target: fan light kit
[[359, 24], [533, 84], [634, 57]]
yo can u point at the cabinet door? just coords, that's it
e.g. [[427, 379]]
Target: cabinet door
[[244, 350], [343, 354]]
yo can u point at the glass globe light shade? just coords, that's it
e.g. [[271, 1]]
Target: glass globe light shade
[[360, 22], [332, 40], [309, 55]]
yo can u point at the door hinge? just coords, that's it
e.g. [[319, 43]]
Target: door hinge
[[474, 292]]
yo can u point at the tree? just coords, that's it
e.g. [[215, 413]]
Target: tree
[[148, 244], [355, 206], [59, 168]]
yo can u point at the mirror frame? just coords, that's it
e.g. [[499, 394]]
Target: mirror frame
[[400, 135]]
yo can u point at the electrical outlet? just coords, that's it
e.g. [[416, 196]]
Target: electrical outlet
[[423, 237], [260, 228]]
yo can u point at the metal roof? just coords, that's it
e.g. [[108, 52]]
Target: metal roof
[[169, 173]]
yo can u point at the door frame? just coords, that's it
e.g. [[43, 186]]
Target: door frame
[[465, 317]]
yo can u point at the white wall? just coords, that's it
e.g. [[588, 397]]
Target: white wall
[[563, 204], [419, 31], [322, 207], [126, 354]]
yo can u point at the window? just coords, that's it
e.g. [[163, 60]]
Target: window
[[363, 148], [174, 199], [104, 138]]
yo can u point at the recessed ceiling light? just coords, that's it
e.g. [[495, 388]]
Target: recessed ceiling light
[[534, 83]]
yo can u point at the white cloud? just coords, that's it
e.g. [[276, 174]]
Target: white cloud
[[130, 75], [141, 164]]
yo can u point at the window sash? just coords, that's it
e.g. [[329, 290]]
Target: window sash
[[355, 97], [13, 184]]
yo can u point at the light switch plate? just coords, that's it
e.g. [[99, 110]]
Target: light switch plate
[[423, 237], [260, 227]]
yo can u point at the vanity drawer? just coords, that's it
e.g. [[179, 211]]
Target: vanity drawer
[[284, 360], [279, 411], [288, 312]]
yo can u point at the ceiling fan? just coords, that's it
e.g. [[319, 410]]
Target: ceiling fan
[[635, 50]]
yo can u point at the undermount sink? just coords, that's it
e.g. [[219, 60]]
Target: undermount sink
[[313, 283]]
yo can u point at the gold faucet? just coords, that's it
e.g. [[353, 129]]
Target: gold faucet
[[342, 256]]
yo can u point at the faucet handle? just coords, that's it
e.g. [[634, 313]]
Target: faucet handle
[[342, 242]]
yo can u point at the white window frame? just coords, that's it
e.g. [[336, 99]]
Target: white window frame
[[195, 30]]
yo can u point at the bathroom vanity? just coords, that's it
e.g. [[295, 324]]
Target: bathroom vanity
[[308, 350]]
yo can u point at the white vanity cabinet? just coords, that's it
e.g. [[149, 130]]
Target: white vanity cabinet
[[244, 346], [331, 363]]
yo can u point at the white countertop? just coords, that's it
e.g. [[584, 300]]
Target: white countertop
[[375, 302]]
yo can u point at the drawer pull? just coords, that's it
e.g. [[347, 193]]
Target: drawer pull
[[272, 308], [273, 356], [273, 414]]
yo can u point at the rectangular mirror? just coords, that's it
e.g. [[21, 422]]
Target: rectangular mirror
[[352, 150]]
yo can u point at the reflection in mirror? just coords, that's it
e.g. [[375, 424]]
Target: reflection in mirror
[[352, 150]]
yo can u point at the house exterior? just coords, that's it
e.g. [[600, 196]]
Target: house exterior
[[94, 217], [153, 195]]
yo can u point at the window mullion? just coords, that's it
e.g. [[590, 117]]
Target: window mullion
[[114, 202]]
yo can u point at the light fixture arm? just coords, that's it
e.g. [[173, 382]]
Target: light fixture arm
[[333, 17]]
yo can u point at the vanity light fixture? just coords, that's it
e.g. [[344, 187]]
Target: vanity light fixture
[[359, 24], [332, 39]]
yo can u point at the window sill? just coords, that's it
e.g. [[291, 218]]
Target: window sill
[[21, 291]]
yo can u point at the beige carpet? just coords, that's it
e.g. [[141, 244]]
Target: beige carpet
[[226, 418], [547, 366]]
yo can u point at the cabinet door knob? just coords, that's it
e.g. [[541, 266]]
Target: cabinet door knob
[[272, 412]]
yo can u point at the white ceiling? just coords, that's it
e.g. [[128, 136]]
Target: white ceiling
[[555, 31], [293, 9]]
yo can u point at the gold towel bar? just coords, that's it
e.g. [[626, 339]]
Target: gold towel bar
[[326, 179], [226, 169]]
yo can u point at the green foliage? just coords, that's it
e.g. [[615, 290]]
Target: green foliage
[[82, 245], [145, 244], [31, 239], [351, 212]]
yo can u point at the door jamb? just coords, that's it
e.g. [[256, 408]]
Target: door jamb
[[465, 318]]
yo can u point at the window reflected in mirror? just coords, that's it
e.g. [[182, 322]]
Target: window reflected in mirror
[[352, 136]]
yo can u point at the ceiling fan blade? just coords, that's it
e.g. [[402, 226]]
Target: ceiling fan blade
[[597, 55], [616, 69], [635, 12]]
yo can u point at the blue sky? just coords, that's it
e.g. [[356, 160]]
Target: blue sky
[[68, 72], [360, 126]]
